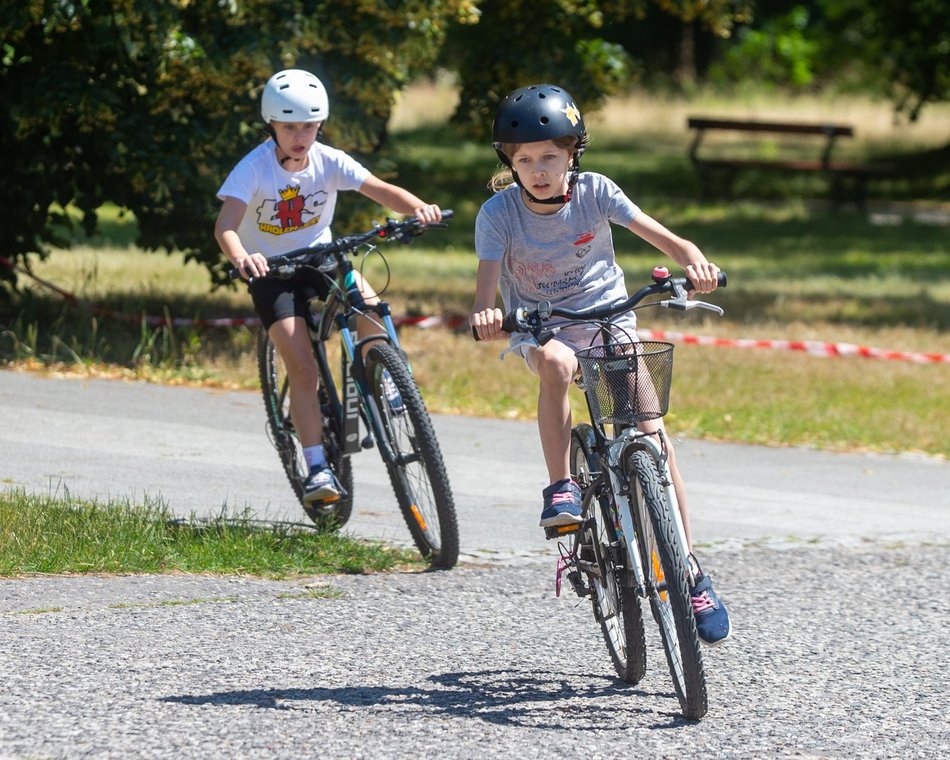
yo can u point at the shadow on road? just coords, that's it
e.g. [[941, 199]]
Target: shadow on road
[[579, 702]]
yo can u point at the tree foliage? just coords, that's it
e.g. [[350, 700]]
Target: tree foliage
[[574, 43], [901, 48], [890, 48], [148, 103]]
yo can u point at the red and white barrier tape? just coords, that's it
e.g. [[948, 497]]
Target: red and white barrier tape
[[812, 347]]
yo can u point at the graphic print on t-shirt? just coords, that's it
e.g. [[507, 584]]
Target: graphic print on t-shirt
[[583, 244], [292, 212], [543, 279]]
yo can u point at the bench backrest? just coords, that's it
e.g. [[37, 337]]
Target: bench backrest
[[828, 130]]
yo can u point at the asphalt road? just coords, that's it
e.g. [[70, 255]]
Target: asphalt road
[[204, 451], [833, 567]]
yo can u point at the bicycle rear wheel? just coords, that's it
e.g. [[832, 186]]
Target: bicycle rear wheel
[[280, 428], [417, 471], [667, 570], [616, 605]]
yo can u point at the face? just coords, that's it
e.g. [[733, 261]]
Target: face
[[543, 168], [295, 137]]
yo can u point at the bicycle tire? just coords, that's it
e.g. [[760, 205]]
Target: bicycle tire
[[280, 428], [666, 566], [417, 474], [616, 606]]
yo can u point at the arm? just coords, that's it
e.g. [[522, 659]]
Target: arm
[[701, 272], [400, 200], [485, 317], [226, 233]]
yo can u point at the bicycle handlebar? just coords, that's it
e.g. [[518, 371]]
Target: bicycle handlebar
[[523, 320], [402, 230]]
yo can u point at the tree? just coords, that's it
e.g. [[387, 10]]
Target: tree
[[901, 48], [148, 103], [580, 44]]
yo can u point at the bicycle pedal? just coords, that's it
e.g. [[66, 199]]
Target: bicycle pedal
[[576, 579], [556, 531]]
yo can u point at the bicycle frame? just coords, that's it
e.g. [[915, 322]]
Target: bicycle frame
[[341, 313]]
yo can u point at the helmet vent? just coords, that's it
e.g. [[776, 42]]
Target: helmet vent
[[284, 86]]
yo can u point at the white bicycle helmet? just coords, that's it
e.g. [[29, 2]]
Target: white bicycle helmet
[[294, 95]]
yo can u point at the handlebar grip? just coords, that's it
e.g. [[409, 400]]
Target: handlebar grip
[[512, 322], [721, 277]]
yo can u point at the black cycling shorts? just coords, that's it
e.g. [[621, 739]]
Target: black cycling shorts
[[276, 298]]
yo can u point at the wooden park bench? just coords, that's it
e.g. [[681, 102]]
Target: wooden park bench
[[848, 178]]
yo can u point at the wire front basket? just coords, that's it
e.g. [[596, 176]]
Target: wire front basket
[[627, 383]]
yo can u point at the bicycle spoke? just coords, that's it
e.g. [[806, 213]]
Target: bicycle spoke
[[416, 469]]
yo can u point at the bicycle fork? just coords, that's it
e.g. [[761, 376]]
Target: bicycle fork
[[621, 483]]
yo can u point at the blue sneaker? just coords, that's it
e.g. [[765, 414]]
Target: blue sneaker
[[321, 485], [562, 504], [712, 618], [393, 396]]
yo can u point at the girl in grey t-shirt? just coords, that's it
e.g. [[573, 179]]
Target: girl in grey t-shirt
[[546, 236]]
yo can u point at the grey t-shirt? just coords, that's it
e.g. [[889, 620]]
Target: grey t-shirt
[[567, 257]]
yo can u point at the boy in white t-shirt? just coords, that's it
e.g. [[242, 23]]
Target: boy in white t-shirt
[[281, 196]]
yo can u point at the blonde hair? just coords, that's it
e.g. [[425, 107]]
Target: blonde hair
[[504, 177]]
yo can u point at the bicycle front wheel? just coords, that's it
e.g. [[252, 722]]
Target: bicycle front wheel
[[666, 567], [416, 471], [616, 605], [280, 428]]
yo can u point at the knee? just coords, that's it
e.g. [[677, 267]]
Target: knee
[[302, 372], [556, 369]]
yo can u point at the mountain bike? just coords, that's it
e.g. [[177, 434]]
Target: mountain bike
[[630, 545], [373, 385]]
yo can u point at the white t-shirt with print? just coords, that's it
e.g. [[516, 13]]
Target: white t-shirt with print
[[566, 257], [288, 210]]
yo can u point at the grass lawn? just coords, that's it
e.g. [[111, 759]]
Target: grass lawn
[[798, 270]]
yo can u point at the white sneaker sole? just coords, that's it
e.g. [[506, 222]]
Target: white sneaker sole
[[561, 519]]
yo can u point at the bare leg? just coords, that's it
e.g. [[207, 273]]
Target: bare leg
[[555, 365], [292, 340]]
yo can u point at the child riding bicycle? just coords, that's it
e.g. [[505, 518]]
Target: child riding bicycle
[[545, 236], [281, 196]]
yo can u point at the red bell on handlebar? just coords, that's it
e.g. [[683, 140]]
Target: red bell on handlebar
[[660, 273]]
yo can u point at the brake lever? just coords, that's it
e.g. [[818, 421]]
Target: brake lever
[[682, 302], [685, 304]]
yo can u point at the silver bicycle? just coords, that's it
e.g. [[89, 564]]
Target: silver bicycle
[[631, 545]]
